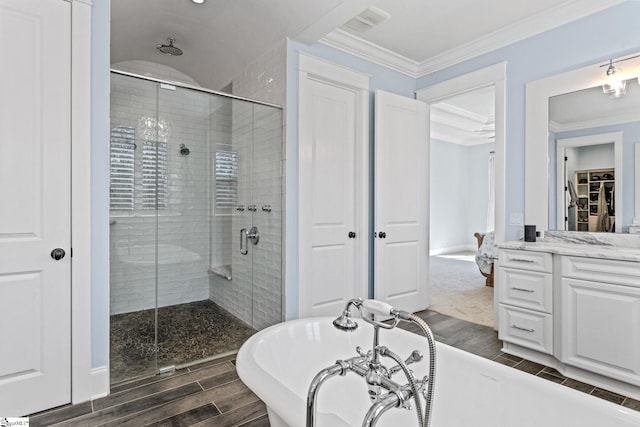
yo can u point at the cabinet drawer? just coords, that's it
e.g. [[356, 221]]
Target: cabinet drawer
[[525, 260], [526, 328], [526, 289], [602, 270]]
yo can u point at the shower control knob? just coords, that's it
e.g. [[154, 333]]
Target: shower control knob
[[57, 254], [352, 234], [382, 234], [240, 208], [252, 208]]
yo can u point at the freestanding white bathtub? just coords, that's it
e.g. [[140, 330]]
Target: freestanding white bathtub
[[279, 363]]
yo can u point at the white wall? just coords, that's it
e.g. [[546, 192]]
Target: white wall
[[459, 194], [595, 157]]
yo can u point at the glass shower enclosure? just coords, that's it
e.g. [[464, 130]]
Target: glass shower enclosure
[[195, 224]]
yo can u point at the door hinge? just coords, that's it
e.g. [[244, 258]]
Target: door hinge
[[71, 252]]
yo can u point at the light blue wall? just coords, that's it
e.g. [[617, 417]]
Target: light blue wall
[[449, 182], [100, 45], [630, 137], [380, 78], [459, 193], [611, 33]]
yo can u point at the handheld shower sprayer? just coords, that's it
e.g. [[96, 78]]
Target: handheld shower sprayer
[[368, 308]]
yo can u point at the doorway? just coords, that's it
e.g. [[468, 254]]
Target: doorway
[[461, 194], [489, 77]]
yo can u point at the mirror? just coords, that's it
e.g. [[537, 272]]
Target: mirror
[[569, 114], [588, 132]]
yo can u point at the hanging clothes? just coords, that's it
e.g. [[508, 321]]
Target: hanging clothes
[[604, 221], [573, 196]]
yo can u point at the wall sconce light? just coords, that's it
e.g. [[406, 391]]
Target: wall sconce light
[[612, 82]]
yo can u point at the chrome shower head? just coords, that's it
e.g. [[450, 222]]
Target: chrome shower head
[[169, 49], [345, 322]]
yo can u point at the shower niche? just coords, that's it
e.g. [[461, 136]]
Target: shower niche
[[182, 162]]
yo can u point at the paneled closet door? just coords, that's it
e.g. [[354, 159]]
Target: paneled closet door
[[401, 240], [35, 217], [332, 205]]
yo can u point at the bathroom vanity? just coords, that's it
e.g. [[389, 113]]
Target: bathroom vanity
[[572, 302]]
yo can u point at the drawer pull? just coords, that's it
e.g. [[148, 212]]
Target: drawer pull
[[522, 289], [530, 261], [520, 328]]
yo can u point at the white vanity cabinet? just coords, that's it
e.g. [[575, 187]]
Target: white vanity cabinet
[[525, 286], [600, 316]]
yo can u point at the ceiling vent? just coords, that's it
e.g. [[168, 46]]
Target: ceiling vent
[[368, 19]]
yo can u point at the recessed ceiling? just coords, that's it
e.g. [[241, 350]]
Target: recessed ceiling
[[466, 119], [221, 37]]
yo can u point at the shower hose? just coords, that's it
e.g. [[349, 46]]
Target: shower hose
[[426, 420]]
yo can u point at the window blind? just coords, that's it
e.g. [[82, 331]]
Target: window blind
[[155, 186], [226, 178], [122, 167]]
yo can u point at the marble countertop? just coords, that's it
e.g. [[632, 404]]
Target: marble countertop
[[577, 249]]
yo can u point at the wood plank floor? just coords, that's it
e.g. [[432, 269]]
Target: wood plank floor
[[211, 394]]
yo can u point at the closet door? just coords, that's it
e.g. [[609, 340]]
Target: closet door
[[401, 239], [35, 218], [333, 156]]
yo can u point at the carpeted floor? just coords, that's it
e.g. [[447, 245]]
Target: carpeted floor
[[458, 288], [186, 333]]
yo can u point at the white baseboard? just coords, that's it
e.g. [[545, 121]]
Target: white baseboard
[[99, 382], [452, 249]]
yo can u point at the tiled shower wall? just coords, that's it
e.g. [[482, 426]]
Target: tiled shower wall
[[265, 79], [183, 226], [255, 293]]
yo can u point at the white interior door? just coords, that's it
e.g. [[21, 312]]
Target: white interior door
[[332, 194], [35, 297], [401, 201]]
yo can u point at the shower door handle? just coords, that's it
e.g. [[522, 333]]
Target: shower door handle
[[244, 241]]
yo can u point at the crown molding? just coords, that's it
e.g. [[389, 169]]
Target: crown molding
[[458, 126], [346, 42], [461, 113], [525, 28]]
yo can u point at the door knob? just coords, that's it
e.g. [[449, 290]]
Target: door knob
[[352, 234], [57, 254], [382, 234]]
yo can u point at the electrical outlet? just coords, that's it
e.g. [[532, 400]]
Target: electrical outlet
[[516, 219]]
